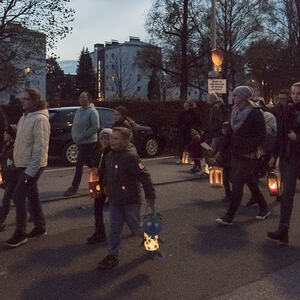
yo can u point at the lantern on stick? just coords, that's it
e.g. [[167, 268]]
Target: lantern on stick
[[94, 185], [185, 158], [274, 183], [217, 58], [216, 177]]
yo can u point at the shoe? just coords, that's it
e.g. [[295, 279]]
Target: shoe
[[252, 203], [263, 215], [281, 235], [226, 220], [2, 227], [109, 262], [35, 232], [17, 240], [178, 162], [95, 239], [70, 191]]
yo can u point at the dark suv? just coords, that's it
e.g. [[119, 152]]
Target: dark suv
[[61, 144]]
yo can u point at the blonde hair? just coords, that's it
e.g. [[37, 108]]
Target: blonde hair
[[125, 132]]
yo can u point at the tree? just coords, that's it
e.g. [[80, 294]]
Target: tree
[[175, 25], [86, 77], [54, 80], [20, 20], [154, 86]]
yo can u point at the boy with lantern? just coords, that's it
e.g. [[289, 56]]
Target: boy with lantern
[[98, 168], [288, 148], [124, 174]]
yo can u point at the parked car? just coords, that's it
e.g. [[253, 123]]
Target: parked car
[[62, 145]]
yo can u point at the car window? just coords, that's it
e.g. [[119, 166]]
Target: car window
[[106, 117], [62, 117]]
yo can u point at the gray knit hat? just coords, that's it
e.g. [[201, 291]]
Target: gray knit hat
[[244, 91], [105, 133]]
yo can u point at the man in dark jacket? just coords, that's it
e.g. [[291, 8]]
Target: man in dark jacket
[[249, 131], [123, 177], [288, 148]]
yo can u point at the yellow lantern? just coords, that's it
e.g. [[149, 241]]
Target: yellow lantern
[[217, 58], [185, 158], [94, 185], [206, 169], [216, 177], [151, 242], [1, 179], [274, 183]]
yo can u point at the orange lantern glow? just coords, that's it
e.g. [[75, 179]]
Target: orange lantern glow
[[216, 177], [94, 185], [217, 58], [274, 183], [185, 158]]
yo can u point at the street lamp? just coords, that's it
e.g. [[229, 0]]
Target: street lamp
[[27, 71]]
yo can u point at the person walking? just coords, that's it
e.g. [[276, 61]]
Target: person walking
[[84, 134], [30, 157], [3, 126], [289, 154], [249, 131], [98, 166], [186, 121], [124, 175]]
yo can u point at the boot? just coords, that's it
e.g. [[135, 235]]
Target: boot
[[281, 235]]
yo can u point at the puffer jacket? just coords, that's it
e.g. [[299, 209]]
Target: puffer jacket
[[124, 175], [32, 141], [85, 125]]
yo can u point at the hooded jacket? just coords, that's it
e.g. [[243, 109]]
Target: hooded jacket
[[85, 125], [124, 175], [32, 141]]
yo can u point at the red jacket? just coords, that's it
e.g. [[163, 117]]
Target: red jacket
[[195, 148]]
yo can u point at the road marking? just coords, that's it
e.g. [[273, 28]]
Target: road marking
[[72, 168]]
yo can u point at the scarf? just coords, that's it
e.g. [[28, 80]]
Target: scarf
[[239, 116]]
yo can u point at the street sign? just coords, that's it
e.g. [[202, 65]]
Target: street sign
[[217, 86]]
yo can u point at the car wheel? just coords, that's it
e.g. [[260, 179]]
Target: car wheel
[[70, 154], [151, 147]]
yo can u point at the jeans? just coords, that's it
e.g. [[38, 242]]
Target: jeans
[[290, 168], [28, 189], [85, 152], [226, 181], [243, 170], [119, 214], [98, 213]]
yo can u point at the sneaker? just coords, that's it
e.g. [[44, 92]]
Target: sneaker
[[109, 262], [2, 227], [95, 239], [280, 235], [35, 232], [70, 191], [252, 203], [224, 220], [17, 240], [263, 215]]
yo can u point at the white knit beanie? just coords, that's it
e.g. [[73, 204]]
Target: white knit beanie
[[244, 91], [106, 133]]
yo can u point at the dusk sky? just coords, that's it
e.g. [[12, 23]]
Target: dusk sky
[[97, 21]]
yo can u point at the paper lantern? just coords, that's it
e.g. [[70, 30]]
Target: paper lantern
[[216, 177], [94, 185], [185, 158]]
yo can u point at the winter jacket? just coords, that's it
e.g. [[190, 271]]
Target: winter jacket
[[250, 135], [218, 116], [98, 159], [3, 125], [186, 121], [85, 125], [224, 148], [290, 120], [8, 168], [124, 174], [195, 148], [32, 141]]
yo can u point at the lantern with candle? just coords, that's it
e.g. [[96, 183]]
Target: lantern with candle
[[185, 158], [274, 183], [216, 177], [94, 184]]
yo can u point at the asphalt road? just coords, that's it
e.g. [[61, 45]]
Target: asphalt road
[[200, 260]]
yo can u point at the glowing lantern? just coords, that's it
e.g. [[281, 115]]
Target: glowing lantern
[[216, 177], [185, 158], [152, 226], [274, 183], [94, 185], [217, 58], [206, 169], [1, 179]]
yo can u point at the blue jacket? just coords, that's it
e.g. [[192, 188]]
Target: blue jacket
[[85, 125]]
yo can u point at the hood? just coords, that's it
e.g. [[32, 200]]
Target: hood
[[40, 112]]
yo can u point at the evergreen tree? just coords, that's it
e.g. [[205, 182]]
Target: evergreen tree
[[86, 77]]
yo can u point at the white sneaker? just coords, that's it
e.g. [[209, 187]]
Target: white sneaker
[[178, 162]]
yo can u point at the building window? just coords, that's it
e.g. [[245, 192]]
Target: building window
[[113, 66], [138, 88], [139, 78]]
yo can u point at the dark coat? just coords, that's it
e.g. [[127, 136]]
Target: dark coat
[[218, 116], [250, 135], [186, 121], [195, 148], [290, 120], [124, 175], [9, 171], [3, 125], [224, 147]]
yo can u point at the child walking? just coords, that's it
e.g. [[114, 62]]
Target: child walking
[[123, 177], [99, 235], [8, 171]]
